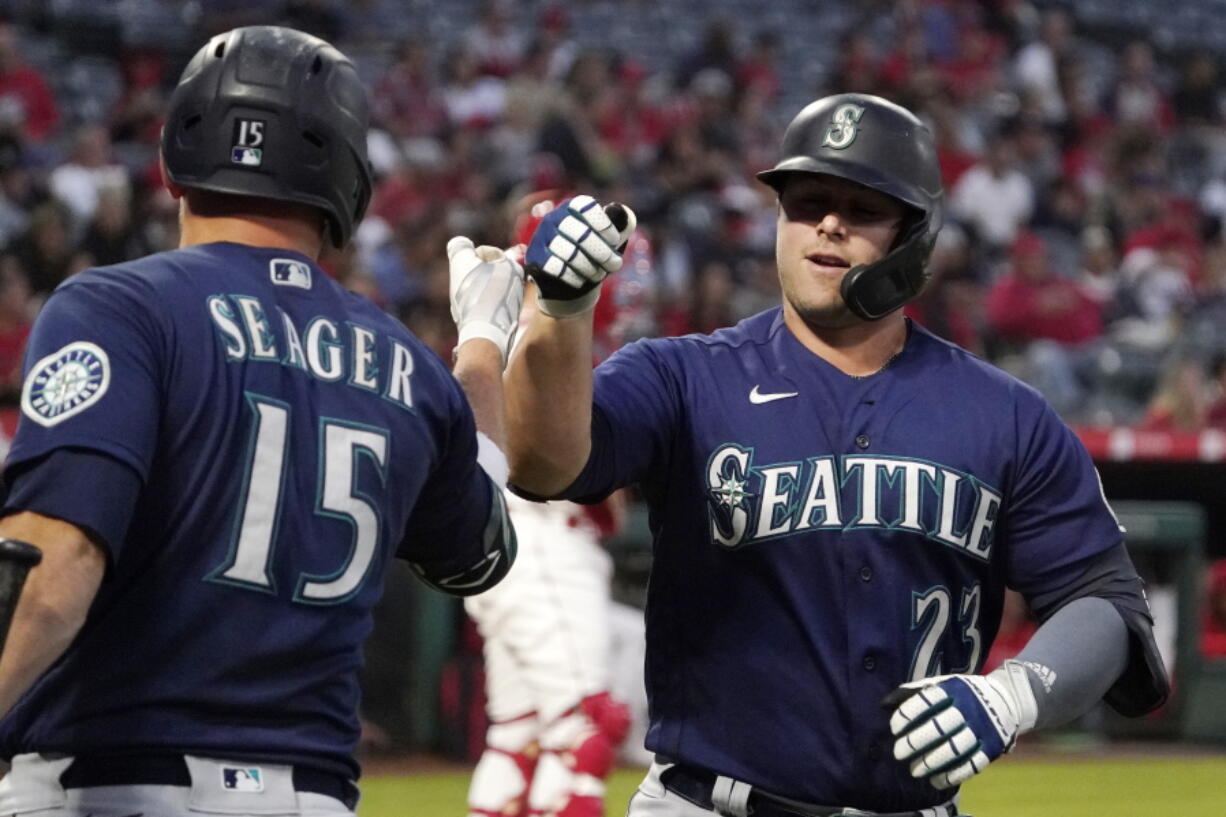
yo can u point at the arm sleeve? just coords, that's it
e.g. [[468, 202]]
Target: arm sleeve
[[1074, 658], [635, 414], [459, 538], [92, 376], [1143, 686]]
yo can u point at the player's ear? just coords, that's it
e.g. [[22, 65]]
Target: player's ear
[[176, 192]]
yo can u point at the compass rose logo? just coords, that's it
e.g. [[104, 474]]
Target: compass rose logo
[[65, 383]]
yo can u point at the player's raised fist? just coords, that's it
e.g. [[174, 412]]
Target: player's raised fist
[[573, 249], [487, 291], [950, 727]]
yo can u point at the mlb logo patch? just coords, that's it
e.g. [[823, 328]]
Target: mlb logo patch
[[248, 142], [242, 778], [251, 157], [287, 272]]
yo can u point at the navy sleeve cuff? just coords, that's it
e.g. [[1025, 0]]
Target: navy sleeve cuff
[[93, 491]]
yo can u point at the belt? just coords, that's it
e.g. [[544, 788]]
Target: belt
[[171, 770], [695, 785]]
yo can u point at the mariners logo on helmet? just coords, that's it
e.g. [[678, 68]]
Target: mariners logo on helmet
[[842, 130]]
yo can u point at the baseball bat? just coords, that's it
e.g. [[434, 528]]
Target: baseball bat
[[16, 559]]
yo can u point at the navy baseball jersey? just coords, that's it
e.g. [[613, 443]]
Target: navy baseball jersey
[[820, 539], [289, 438]]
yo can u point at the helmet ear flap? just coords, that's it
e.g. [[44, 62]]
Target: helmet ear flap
[[872, 291]]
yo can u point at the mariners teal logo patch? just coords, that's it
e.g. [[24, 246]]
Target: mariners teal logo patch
[[843, 126], [65, 383]]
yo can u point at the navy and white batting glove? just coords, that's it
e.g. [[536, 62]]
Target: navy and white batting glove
[[950, 727], [573, 249], [487, 291]]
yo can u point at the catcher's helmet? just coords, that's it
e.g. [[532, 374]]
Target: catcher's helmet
[[876, 143], [275, 113]]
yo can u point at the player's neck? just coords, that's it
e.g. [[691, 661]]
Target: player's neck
[[858, 350], [253, 230]]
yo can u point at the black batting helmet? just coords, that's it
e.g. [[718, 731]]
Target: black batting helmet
[[876, 143], [275, 113]]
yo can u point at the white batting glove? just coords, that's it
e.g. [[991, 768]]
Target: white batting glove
[[573, 249], [950, 727], [487, 291]]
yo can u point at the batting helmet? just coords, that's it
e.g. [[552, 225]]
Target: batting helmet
[[876, 143], [275, 113]]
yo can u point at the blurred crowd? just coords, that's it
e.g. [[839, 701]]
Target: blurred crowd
[[1085, 173]]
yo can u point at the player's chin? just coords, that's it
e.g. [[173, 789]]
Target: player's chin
[[832, 313]]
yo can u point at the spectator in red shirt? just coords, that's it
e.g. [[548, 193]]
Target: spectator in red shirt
[[757, 72], [1032, 303], [26, 103], [1053, 321]]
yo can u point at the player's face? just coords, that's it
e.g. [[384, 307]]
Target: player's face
[[828, 225]]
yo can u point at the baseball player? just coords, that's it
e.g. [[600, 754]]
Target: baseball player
[[554, 727], [838, 500], [220, 450]]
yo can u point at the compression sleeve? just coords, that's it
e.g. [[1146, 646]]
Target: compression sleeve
[[1074, 658], [1110, 575]]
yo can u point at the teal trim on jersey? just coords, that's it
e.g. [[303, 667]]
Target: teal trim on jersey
[[785, 484], [916, 621], [324, 345], [229, 351], [972, 483], [267, 338], [386, 391], [295, 354], [744, 501], [380, 523], [971, 627], [216, 575], [374, 364], [801, 525]]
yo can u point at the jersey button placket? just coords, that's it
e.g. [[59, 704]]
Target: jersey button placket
[[866, 574], [869, 663], [862, 441]]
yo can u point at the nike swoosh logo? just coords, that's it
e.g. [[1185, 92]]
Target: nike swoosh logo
[[757, 398]]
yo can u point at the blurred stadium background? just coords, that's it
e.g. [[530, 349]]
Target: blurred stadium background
[[1084, 152]]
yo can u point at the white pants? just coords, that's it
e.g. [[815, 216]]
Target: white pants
[[32, 787], [546, 625], [653, 800]]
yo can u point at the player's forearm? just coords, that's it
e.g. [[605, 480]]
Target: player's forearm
[[53, 605], [478, 369], [549, 404], [1074, 658]]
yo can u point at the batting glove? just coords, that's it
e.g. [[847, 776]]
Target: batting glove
[[573, 249], [487, 291], [950, 727]]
